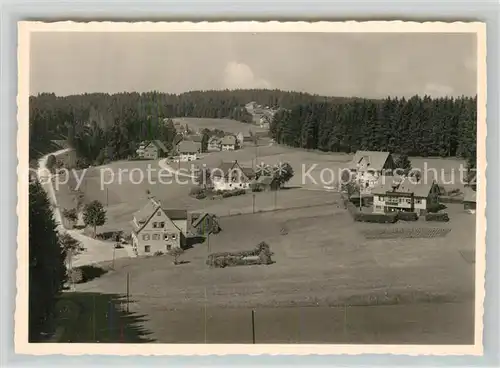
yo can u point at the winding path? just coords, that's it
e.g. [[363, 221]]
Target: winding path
[[95, 250]]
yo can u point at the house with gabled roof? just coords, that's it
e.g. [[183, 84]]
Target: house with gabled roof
[[214, 144], [188, 150], [158, 229], [228, 143], [231, 176], [369, 166], [404, 194], [202, 224], [152, 150]]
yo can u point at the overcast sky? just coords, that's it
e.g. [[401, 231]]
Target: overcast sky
[[333, 64]]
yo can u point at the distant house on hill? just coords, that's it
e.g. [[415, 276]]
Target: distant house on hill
[[369, 166], [404, 194], [158, 229], [188, 150], [469, 199], [230, 176], [214, 144], [152, 150], [228, 143]]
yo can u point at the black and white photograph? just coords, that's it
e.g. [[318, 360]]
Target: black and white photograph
[[248, 184]]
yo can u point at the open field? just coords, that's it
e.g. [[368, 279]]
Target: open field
[[395, 289], [226, 125], [123, 197]]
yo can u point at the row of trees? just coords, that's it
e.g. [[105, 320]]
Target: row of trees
[[48, 254], [419, 126]]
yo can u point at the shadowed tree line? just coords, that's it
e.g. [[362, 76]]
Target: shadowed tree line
[[104, 127], [419, 126]]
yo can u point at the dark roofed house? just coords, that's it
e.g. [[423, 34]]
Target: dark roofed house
[[404, 194], [228, 143], [230, 176], [152, 150], [369, 166], [203, 223], [188, 150], [158, 229], [214, 144], [469, 199]]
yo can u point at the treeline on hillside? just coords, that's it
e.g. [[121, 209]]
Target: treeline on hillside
[[419, 126], [111, 125]]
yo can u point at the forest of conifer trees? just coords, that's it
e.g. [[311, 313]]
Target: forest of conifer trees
[[103, 127], [419, 126]]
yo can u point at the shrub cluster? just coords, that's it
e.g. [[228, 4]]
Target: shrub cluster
[[407, 216], [441, 216], [436, 207], [233, 193], [260, 255]]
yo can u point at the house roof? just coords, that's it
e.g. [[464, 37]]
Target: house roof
[[265, 180], [376, 159], [194, 138], [175, 214], [229, 140], [200, 218], [214, 140], [144, 215], [188, 147], [469, 195], [228, 167], [403, 186]]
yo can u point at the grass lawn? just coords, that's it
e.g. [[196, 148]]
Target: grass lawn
[[392, 290], [227, 125]]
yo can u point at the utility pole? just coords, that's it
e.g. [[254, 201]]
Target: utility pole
[[253, 326], [107, 197], [253, 203], [128, 292]]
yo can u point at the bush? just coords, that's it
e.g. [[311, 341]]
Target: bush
[[407, 216], [260, 255], [158, 253], [442, 217], [201, 196], [433, 208], [194, 191]]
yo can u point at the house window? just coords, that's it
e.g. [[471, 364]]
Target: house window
[[408, 200], [418, 201], [154, 225], [169, 246], [156, 236], [145, 237], [174, 236], [162, 224], [165, 237], [158, 213], [147, 248]]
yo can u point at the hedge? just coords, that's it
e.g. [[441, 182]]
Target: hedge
[[260, 255], [380, 218], [233, 193], [442, 217], [407, 216]]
